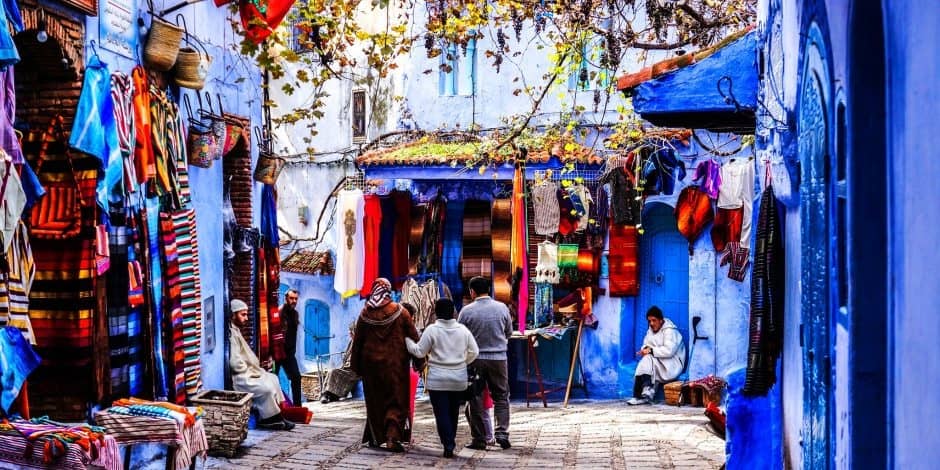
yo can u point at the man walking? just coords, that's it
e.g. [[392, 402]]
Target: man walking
[[489, 322], [290, 320]]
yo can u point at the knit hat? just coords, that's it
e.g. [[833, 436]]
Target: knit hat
[[238, 305]]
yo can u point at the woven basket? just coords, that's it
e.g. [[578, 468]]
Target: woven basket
[[192, 68], [673, 392], [310, 385], [226, 419], [163, 45], [268, 168]]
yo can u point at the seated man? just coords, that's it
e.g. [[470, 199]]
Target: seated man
[[248, 376], [663, 357]]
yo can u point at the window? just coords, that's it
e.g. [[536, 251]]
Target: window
[[589, 75], [359, 116], [458, 73]]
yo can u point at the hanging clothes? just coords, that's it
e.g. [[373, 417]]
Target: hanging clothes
[[9, 142], [661, 171], [519, 263], [453, 249], [708, 176], [477, 256], [173, 307], [599, 220], [349, 242], [768, 288], [19, 280], [12, 200], [544, 306], [432, 240], [17, 361], [586, 200], [626, 204], [546, 208], [401, 201], [187, 246], [737, 192], [143, 136], [372, 226], [622, 261], [9, 12], [122, 95], [546, 269], [423, 296], [387, 237]]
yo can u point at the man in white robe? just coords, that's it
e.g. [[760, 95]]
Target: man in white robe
[[663, 357], [249, 376]]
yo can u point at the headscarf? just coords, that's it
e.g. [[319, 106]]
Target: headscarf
[[381, 293]]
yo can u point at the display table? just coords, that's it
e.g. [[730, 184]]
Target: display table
[[532, 361], [17, 452], [184, 444]]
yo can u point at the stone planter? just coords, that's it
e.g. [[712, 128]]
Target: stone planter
[[226, 419]]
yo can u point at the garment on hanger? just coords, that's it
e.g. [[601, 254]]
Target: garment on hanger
[[477, 256], [350, 245], [546, 269], [371, 225], [8, 138], [545, 207], [737, 192], [423, 295], [626, 204], [453, 249], [544, 304], [9, 12], [622, 261], [401, 200], [661, 170], [584, 197], [708, 176]]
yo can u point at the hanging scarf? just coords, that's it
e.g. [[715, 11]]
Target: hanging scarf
[[143, 150], [381, 293], [122, 93]]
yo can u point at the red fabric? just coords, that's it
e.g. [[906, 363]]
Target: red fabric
[[693, 213], [622, 261], [727, 227], [371, 230], [487, 399], [261, 17], [402, 202], [412, 391]]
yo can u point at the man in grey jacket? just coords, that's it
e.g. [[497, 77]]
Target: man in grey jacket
[[491, 325]]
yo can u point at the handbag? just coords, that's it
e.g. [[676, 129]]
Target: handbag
[[268, 168], [201, 145], [475, 385], [58, 214]]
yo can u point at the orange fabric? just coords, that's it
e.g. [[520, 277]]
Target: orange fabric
[[143, 150], [519, 264]]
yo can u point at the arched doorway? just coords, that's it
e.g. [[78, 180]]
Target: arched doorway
[[664, 270], [813, 129]]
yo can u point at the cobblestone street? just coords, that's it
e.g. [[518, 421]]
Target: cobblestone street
[[589, 435]]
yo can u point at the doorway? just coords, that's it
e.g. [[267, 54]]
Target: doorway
[[664, 271]]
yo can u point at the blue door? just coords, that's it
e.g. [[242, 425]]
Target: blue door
[[816, 257], [664, 271], [316, 328]]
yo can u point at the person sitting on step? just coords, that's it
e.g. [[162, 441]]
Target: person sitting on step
[[663, 357]]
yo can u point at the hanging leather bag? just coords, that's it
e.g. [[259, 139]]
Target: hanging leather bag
[[58, 214]]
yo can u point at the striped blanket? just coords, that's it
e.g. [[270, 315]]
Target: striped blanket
[[187, 245], [129, 429]]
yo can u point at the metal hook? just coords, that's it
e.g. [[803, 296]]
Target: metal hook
[[189, 107], [94, 47], [182, 19]]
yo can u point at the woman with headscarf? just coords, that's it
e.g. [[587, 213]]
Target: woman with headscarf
[[379, 356]]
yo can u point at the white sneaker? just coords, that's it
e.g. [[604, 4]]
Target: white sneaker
[[637, 401]]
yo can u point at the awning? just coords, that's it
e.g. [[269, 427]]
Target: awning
[[714, 89]]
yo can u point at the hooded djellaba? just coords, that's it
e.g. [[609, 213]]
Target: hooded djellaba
[[380, 357]]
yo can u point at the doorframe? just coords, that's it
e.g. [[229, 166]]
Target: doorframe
[[818, 294]]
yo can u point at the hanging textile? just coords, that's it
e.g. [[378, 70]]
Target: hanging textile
[[173, 307], [263, 326], [12, 200], [423, 296], [122, 94], [19, 279], [154, 254], [584, 197], [137, 319], [269, 215], [546, 270], [143, 136], [387, 238], [545, 203], [519, 263], [599, 220], [432, 243], [626, 205], [693, 213], [544, 305], [477, 256], [9, 56], [187, 246], [401, 201], [169, 149], [416, 239], [737, 192], [622, 261], [261, 17], [272, 272], [768, 289], [372, 225], [661, 170], [453, 247], [708, 176], [17, 361], [349, 242], [9, 142], [502, 250], [118, 284]]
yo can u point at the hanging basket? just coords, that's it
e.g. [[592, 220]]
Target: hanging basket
[[163, 45], [268, 168], [192, 67]]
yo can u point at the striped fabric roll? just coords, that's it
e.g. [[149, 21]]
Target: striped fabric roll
[[477, 256], [187, 245], [173, 304]]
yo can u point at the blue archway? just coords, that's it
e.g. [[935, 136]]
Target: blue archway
[[664, 270]]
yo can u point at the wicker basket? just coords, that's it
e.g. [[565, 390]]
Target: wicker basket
[[226, 419], [163, 45], [673, 392], [310, 385]]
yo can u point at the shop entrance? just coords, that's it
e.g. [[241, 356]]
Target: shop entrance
[[316, 329], [664, 270]]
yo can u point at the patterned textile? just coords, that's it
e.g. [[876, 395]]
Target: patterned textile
[[154, 254], [477, 256], [544, 309], [371, 225], [727, 227], [626, 205], [622, 261], [118, 283], [453, 246], [63, 304], [14, 301], [661, 170], [190, 441], [172, 304], [738, 256], [546, 268], [423, 296], [545, 203], [187, 245], [768, 287], [519, 267], [42, 443]]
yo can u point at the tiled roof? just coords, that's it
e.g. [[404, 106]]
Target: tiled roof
[[632, 80], [308, 262], [430, 150]]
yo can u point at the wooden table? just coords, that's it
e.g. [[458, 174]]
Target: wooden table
[[532, 361]]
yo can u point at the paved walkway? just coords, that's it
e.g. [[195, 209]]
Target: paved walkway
[[588, 435]]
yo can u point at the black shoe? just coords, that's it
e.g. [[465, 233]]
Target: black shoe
[[504, 443], [476, 446], [394, 446], [448, 453]]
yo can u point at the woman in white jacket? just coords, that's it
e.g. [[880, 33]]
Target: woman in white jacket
[[450, 347]]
